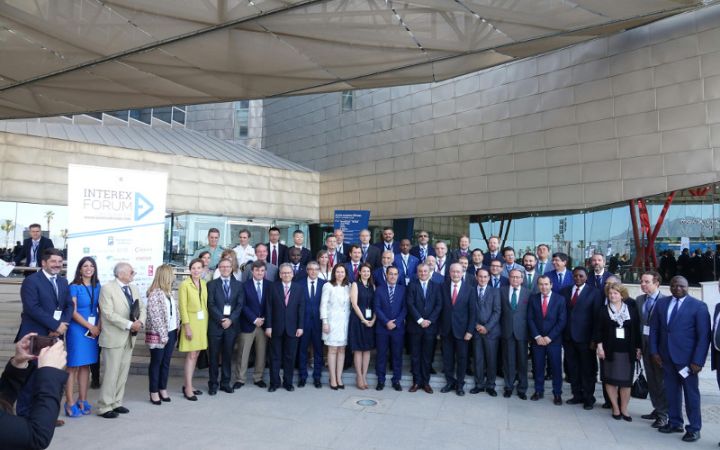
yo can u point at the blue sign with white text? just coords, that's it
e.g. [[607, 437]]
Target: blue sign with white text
[[352, 222]]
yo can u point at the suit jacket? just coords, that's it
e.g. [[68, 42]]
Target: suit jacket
[[427, 306], [687, 338], [488, 311], [458, 319], [339, 258], [39, 304], [381, 246], [300, 273], [715, 353], [504, 282], [533, 286], [487, 258], [553, 324], [282, 253], [115, 315], [406, 272], [305, 256], [387, 311], [345, 250], [271, 272], [513, 324], [640, 303], [379, 276], [217, 302], [415, 251], [454, 255], [514, 266], [312, 304], [285, 318], [593, 281], [372, 256], [26, 252], [547, 268], [566, 281], [437, 278], [581, 318], [350, 272], [254, 307]]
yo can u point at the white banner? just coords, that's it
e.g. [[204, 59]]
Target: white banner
[[116, 215]]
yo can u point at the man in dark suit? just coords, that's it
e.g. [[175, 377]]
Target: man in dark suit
[[370, 253], [462, 250], [493, 253], [679, 339], [435, 276], [226, 298], [334, 257], [497, 280], [285, 320], [33, 247], [544, 263], [457, 323], [277, 252], [252, 325], [560, 278], [352, 267], [380, 273], [442, 264], [294, 257], [423, 249], [341, 246], [547, 316], [424, 304], [514, 300], [388, 242], [270, 269], [715, 344], [299, 240], [583, 303], [312, 330], [488, 310], [406, 263], [390, 308], [650, 285], [599, 275], [531, 273], [476, 262]]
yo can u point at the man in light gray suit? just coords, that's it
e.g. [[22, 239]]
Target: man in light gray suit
[[514, 300], [531, 275], [650, 285], [544, 264], [271, 270], [510, 264], [486, 337]]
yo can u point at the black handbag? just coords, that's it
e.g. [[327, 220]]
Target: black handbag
[[640, 387], [202, 361]]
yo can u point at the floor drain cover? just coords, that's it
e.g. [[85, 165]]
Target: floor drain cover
[[366, 402]]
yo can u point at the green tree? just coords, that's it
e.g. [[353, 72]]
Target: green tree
[[49, 215]]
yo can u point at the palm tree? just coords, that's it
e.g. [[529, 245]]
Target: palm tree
[[7, 227], [49, 215]]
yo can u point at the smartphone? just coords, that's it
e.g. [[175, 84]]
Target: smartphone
[[38, 343]]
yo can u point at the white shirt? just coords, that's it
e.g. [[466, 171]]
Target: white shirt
[[452, 287], [171, 309], [671, 305], [245, 254], [309, 281], [122, 286], [578, 290], [510, 293]]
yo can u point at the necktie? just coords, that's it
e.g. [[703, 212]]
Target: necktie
[[529, 280], [423, 254], [542, 268], [388, 246], [454, 293], [544, 306], [258, 289], [716, 336], [573, 300], [54, 283], [648, 307], [312, 289], [295, 269], [481, 292], [440, 265], [355, 271], [496, 282], [513, 299], [226, 288], [364, 253], [598, 281], [287, 295], [33, 257], [424, 288], [391, 292], [560, 277], [673, 310], [128, 295], [273, 258], [331, 259]]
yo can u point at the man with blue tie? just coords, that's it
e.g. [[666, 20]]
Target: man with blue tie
[[370, 253], [497, 280], [295, 258], [547, 316], [312, 331], [679, 340], [544, 264], [424, 304], [486, 337], [510, 264], [457, 323], [560, 278], [599, 276], [390, 307], [352, 267], [388, 242], [33, 247], [406, 263], [493, 253], [423, 249], [252, 325], [380, 274]]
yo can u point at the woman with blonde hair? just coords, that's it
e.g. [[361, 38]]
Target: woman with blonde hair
[[161, 331], [193, 296], [229, 254], [323, 261]]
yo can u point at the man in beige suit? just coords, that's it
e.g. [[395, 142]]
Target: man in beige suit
[[117, 338]]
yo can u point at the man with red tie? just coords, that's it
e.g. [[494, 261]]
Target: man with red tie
[[353, 266], [277, 252], [334, 257]]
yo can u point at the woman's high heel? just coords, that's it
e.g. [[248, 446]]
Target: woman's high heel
[[72, 411], [155, 402], [84, 407]]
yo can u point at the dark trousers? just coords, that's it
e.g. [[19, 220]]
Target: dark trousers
[[485, 353], [656, 383], [454, 357], [421, 352], [554, 352], [675, 387], [312, 336], [582, 370], [283, 349], [515, 364], [221, 345], [95, 369], [159, 369], [24, 397], [392, 341]]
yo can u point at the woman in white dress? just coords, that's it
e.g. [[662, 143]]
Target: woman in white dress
[[335, 314], [324, 263]]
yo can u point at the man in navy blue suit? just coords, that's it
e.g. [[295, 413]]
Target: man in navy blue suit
[[352, 267], [334, 256], [442, 261], [547, 315], [277, 252], [406, 263], [715, 344], [33, 247], [252, 325], [599, 276], [380, 274], [370, 253], [312, 331], [388, 242], [391, 309], [476, 262], [424, 304], [457, 323], [285, 320], [486, 337], [299, 240], [583, 303], [497, 280], [462, 250], [493, 252], [423, 249], [679, 339], [298, 268], [560, 277], [434, 275]]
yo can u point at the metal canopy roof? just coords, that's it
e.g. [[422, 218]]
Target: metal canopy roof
[[75, 56]]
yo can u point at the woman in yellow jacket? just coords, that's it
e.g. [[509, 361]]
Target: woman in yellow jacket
[[194, 319]]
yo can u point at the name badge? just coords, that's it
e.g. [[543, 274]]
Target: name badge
[[91, 320], [646, 330], [368, 313], [684, 372], [620, 333], [407, 281], [57, 314], [226, 310], [201, 315]]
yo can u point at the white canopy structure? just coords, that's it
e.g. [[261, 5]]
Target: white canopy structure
[[76, 56]]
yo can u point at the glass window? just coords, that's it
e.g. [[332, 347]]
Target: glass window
[[346, 100], [163, 114], [178, 114], [143, 115], [241, 119]]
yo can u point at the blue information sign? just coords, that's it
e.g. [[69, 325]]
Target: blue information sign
[[352, 222]]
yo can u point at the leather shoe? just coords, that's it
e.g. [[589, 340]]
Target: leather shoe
[[317, 384], [507, 394], [227, 389], [110, 415], [460, 392], [573, 401], [289, 387], [413, 388], [272, 389], [537, 396], [588, 406], [667, 429], [428, 389], [606, 405], [301, 383], [557, 400], [397, 387], [447, 388], [121, 410], [212, 391], [238, 385], [691, 436], [659, 423], [651, 416], [380, 386], [522, 396], [476, 390], [492, 392], [260, 384], [626, 418]]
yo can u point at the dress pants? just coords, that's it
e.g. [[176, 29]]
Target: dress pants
[[283, 349], [393, 341], [581, 369], [243, 354], [159, 369], [221, 345], [554, 353], [656, 383], [454, 357], [117, 366], [515, 364], [312, 336], [485, 354], [421, 348], [675, 387]]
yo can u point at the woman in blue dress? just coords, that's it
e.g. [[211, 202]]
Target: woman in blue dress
[[82, 342]]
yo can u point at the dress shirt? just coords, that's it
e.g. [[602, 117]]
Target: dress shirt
[[671, 305], [171, 308], [245, 254], [122, 288], [423, 286], [309, 286]]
